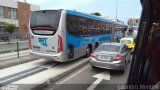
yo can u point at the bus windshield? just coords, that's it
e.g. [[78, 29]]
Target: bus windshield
[[45, 22]]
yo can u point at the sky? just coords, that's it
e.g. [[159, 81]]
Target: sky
[[107, 8]]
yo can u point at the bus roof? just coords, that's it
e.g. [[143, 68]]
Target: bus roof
[[71, 12]]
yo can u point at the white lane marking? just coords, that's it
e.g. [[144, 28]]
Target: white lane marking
[[19, 76], [73, 75], [104, 75]]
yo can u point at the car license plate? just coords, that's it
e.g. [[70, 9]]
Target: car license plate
[[104, 58]]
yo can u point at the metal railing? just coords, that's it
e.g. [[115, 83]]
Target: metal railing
[[12, 47]]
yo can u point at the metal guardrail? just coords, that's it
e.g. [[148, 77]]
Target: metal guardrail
[[13, 46]]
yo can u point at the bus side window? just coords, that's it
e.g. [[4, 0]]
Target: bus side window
[[70, 24]]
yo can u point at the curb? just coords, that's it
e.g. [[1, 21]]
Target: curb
[[17, 61], [60, 76]]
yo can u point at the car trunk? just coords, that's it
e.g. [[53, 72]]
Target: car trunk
[[106, 56]]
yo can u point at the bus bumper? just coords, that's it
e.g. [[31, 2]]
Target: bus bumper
[[52, 57]]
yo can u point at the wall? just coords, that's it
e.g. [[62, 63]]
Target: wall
[[23, 16], [8, 3]]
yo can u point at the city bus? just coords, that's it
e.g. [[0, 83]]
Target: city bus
[[65, 35], [119, 30]]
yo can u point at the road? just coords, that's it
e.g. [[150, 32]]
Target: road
[[87, 78], [74, 75]]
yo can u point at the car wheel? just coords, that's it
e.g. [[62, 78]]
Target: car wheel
[[93, 67], [88, 51]]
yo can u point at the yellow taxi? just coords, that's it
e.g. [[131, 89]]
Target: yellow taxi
[[129, 41]]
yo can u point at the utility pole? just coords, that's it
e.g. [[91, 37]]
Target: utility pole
[[116, 10]]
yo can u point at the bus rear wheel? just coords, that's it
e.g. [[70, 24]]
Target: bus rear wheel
[[96, 45], [88, 51]]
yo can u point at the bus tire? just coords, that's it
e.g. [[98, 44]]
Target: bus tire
[[88, 51], [96, 45]]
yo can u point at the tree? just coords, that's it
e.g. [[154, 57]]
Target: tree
[[96, 13], [9, 28]]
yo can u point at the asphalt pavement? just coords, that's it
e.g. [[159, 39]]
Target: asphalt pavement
[[87, 78], [37, 73]]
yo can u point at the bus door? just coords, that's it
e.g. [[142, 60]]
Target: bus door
[[71, 51]]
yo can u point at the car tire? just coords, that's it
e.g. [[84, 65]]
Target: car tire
[[94, 68], [88, 51]]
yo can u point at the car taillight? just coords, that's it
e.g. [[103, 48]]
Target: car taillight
[[118, 58], [29, 41], [60, 44], [92, 55]]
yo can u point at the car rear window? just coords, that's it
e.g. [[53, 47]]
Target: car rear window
[[112, 48], [126, 41]]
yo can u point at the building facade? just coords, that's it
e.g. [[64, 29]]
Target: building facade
[[18, 13], [133, 21]]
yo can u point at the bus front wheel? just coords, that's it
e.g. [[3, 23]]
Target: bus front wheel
[[88, 51]]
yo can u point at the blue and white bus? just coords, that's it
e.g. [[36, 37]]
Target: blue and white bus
[[65, 35]]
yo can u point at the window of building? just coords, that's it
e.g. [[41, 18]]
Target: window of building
[[12, 12], [1, 12]]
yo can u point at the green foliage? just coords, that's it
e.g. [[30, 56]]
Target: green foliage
[[10, 28], [96, 13]]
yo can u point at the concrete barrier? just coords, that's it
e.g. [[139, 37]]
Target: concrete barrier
[[16, 61], [60, 76], [12, 46]]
